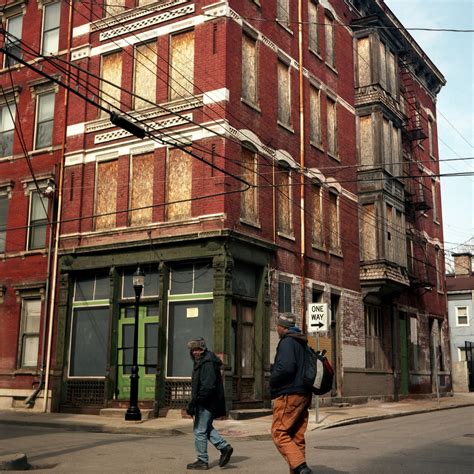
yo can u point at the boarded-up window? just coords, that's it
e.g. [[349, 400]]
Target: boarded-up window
[[114, 7], [284, 114], [141, 194], [390, 234], [111, 81], [329, 33], [332, 127], [285, 220], [145, 2], [333, 222], [106, 194], [366, 144], [249, 69], [387, 146], [391, 77], [396, 152], [145, 75], [178, 185], [434, 197], [283, 12], [363, 62], [315, 116], [382, 66], [430, 137], [182, 65], [369, 232], [313, 26], [248, 203], [318, 238]]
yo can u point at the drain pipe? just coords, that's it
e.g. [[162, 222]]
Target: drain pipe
[[58, 224], [32, 397]]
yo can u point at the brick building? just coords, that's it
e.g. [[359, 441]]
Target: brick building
[[280, 163]]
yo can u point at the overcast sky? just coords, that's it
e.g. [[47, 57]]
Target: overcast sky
[[453, 54]]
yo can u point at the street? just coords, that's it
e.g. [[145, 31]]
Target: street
[[437, 442]]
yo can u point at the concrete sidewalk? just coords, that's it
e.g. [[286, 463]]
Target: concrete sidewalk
[[254, 428]]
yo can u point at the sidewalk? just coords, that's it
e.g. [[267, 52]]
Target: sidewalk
[[255, 428]]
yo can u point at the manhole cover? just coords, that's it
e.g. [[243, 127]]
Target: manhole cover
[[337, 448], [469, 435]]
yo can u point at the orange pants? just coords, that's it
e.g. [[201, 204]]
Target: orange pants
[[290, 419]]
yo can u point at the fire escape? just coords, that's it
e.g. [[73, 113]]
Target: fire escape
[[421, 272]]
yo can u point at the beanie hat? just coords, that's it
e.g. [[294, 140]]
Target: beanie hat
[[197, 343], [286, 320]]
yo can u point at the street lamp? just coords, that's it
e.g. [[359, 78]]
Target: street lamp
[[133, 412]]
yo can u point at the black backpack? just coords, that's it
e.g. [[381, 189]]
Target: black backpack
[[318, 373]]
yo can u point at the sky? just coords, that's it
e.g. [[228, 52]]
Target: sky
[[453, 55]]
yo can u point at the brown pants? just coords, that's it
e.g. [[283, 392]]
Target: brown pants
[[290, 419]]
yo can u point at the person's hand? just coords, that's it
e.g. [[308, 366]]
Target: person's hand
[[191, 409]]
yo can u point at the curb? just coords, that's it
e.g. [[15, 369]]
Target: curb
[[14, 462], [368, 418]]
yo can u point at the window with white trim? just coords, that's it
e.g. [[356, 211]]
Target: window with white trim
[[3, 219], [44, 120], [51, 21], [13, 39], [462, 316], [29, 334], [38, 221], [7, 128]]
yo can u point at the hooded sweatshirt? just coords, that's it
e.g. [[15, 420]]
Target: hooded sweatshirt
[[287, 372]]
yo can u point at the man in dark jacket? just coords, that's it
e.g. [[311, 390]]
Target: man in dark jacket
[[291, 399], [207, 403]]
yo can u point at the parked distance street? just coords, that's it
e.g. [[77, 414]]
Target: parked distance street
[[439, 442]]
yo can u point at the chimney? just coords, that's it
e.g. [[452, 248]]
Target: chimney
[[462, 264]]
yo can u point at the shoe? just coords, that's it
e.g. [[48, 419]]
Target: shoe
[[198, 465], [303, 469], [226, 453]]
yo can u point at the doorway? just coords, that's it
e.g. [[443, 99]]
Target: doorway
[[243, 351], [147, 351]]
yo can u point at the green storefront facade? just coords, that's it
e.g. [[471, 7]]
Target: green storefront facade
[[216, 286]]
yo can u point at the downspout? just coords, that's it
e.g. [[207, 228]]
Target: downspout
[[302, 166], [32, 397], [58, 225]]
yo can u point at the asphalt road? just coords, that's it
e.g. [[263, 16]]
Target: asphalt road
[[438, 442]]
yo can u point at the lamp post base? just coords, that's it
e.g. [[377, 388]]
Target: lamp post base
[[133, 414]]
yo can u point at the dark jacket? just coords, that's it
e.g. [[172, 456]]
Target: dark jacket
[[287, 372], [207, 386]]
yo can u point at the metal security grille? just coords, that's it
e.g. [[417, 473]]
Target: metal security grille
[[177, 393], [85, 393]]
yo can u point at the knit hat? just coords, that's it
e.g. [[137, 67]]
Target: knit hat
[[197, 343], [286, 320]]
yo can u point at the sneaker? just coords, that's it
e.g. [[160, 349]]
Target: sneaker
[[226, 453], [303, 469], [198, 465]]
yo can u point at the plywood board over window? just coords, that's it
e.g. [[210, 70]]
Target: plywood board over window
[[145, 75], [332, 128], [114, 7], [284, 114], [333, 222], [249, 69], [182, 65], [141, 189], [106, 194], [369, 232], [178, 185], [111, 81], [285, 221], [248, 203], [317, 216]]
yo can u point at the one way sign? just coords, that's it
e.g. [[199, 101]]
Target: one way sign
[[317, 317]]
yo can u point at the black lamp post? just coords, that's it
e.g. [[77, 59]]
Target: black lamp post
[[133, 412]]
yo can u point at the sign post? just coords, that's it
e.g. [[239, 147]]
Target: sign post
[[317, 321]]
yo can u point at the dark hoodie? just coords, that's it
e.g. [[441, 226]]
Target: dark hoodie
[[207, 386], [287, 372]]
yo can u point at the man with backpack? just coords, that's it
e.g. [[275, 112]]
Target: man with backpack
[[290, 394]]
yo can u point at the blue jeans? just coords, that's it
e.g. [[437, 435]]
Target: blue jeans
[[203, 431]]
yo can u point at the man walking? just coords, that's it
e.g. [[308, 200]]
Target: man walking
[[207, 403], [291, 399]]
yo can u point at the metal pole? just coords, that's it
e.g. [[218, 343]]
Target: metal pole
[[317, 396], [133, 412]]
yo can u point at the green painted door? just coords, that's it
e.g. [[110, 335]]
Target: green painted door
[[403, 355], [147, 351]]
